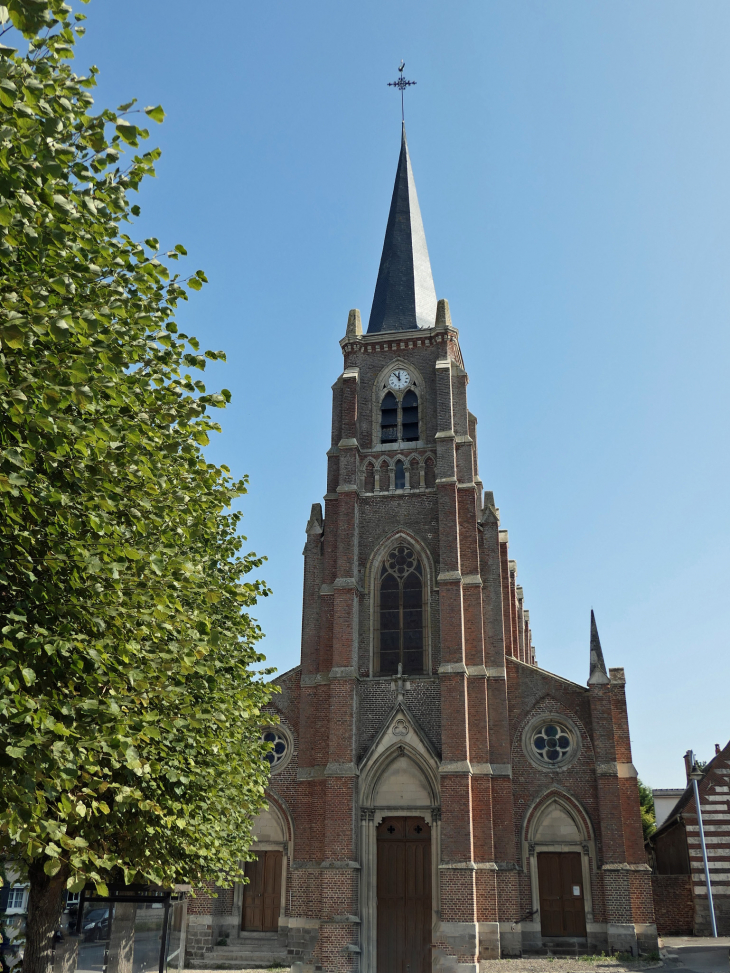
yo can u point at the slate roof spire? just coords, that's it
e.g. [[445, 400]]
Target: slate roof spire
[[598, 674], [405, 298]]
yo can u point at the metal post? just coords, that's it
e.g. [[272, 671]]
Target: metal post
[[163, 942], [80, 914], [695, 775], [183, 932]]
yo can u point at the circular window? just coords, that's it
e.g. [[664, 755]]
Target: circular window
[[552, 743], [401, 561], [280, 746]]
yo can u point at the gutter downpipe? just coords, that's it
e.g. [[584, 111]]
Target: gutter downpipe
[[697, 775]]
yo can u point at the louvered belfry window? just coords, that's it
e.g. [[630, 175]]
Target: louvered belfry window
[[389, 419], [401, 613], [391, 423], [409, 406]]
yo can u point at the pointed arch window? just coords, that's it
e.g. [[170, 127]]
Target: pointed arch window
[[389, 419], [401, 614], [369, 478], [415, 474], [400, 475], [430, 476], [384, 477]]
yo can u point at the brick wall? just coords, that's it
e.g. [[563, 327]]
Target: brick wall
[[673, 905], [715, 798], [376, 699]]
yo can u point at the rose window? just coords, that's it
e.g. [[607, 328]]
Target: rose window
[[401, 561], [552, 743], [279, 746]]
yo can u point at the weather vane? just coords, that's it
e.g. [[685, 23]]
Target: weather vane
[[401, 84]]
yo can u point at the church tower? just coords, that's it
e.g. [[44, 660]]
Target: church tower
[[437, 799], [404, 615]]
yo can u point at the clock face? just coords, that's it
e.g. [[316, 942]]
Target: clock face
[[399, 379]]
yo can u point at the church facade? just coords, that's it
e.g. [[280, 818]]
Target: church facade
[[436, 798]]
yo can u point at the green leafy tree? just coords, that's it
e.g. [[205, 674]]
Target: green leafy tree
[[648, 815], [129, 712]]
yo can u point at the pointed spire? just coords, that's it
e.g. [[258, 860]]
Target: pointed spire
[[315, 524], [598, 675], [489, 511], [405, 298], [354, 324]]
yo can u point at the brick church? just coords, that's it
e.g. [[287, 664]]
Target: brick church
[[436, 798]]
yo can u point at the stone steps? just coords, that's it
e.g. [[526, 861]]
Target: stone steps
[[252, 939], [562, 946], [263, 962], [248, 951]]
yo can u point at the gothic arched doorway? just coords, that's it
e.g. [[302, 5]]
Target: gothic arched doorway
[[559, 847], [404, 895], [399, 788]]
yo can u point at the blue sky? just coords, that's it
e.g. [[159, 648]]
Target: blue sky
[[573, 169]]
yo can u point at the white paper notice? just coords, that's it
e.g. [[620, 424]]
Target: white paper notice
[[576, 890]]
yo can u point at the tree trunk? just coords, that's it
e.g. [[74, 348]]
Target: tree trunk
[[45, 907]]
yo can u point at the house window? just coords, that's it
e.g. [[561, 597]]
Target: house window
[[389, 419], [16, 899], [400, 611]]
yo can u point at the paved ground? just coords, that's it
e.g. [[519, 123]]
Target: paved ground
[[701, 955], [541, 964], [678, 953], [566, 964]]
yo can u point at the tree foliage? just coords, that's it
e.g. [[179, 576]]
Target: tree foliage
[[648, 814], [129, 713]]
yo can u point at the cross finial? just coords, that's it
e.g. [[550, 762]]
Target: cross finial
[[401, 84], [400, 683]]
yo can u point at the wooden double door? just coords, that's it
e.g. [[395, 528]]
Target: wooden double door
[[562, 909], [262, 893], [404, 902]]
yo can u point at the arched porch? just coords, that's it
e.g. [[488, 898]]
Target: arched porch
[[557, 848], [398, 779]]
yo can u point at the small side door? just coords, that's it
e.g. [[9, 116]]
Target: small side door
[[262, 893], [562, 908]]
